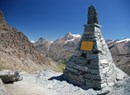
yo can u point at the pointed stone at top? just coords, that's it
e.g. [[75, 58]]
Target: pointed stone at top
[[92, 15]]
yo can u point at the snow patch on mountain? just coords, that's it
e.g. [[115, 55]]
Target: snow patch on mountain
[[70, 40], [32, 41], [124, 40], [74, 35]]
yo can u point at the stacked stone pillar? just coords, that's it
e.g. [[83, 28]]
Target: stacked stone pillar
[[91, 66]]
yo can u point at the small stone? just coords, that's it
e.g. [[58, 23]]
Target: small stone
[[111, 84], [103, 91]]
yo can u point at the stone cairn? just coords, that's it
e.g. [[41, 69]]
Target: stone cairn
[[91, 66]]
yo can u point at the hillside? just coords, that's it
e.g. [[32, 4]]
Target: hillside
[[59, 50], [17, 52]]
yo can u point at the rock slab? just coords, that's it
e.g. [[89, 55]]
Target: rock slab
[[8, 76]]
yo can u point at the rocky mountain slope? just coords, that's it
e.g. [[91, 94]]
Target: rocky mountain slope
[[120, 50], [16, 51], [61, 49], [43, 46]]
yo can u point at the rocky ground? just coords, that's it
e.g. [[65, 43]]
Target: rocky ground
[[51, 83]]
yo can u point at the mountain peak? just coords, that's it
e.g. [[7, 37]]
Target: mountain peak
[[70, 36], [42, 40], [69, 33]]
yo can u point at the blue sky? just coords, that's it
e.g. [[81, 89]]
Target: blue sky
[[52, 19]]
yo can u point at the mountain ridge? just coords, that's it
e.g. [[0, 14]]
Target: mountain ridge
[[61, 49]]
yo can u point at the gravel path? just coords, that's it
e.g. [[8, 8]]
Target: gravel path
[[28, 86]]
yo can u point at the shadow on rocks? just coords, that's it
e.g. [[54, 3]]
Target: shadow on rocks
[[61, 78], [103, 91]]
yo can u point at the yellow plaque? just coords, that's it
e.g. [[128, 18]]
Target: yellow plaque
[[87, 45]]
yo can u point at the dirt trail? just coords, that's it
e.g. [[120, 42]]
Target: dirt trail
[[24, 88]]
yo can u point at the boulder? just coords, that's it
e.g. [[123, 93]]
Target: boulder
[[8, 76]]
